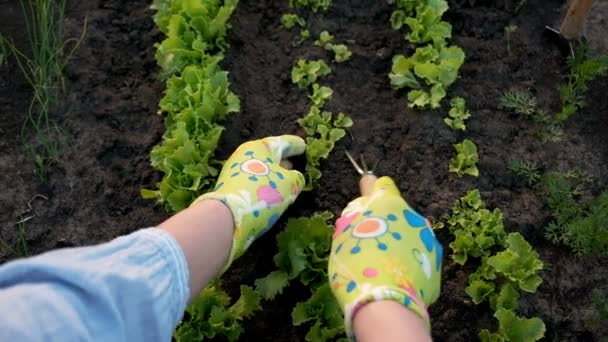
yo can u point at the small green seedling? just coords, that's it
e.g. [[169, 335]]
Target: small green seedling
[[313, 5], [290, 20], [584, 68], [509, 30], [527, 170], [458, 114], [324, 39], [341, 51], [304, 35], [465, 162], [306, 72], [320, 94], [520, 101]]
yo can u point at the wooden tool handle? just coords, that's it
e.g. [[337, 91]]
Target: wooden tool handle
[[573, 23], [366, 184]]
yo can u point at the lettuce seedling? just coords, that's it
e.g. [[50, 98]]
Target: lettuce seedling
[[211, 314], [323, 132], [436, 66], [518, 263], [320, 94], [194, 30], [465, 162], [323, 310], [427, 25], [314, 5], [477, 229], [341, 51], [303, 253], [513, 328], [290, 20], [195, 102], [458, 114], [306, 73], [324, 39]]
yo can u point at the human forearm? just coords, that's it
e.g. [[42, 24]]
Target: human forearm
[[389, 321], [204, 232]]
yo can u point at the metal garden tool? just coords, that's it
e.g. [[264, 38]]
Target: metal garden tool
[[368, 178]]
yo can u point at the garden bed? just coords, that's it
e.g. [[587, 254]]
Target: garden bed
[[110, 123]]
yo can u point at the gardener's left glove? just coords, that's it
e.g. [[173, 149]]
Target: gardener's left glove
[[256, 188]]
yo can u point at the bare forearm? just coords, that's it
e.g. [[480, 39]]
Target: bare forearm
[[204, 232], [389, 321]]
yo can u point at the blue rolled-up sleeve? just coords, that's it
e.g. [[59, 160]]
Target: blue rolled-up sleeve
[[133, 288]]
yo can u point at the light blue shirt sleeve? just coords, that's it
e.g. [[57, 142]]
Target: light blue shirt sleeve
[[133, 288]]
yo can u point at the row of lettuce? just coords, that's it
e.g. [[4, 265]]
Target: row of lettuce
[[198, 99], [508, 263]]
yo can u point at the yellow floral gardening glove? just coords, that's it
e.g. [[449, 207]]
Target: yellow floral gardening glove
[[384, 250], [256, 188]]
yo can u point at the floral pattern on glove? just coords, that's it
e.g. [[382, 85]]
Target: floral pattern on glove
[[384, 250], [256, 188]]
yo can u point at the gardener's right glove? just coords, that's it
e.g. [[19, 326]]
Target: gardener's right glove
[[384, 250]]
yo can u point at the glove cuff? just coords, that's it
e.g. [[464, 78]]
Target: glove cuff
[[402, 296]]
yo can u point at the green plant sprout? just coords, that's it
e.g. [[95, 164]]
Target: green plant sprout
[[527, 170], [320, 94], [313, 5], [324, 39], [290, 20], [520, 101], [583, 69], [437, 67], [306, 72], [303, 252], [4, 50], [465, 161], [476, 229], [509, 30], [577, 225], [457, 115], [304, 35], [211, 315], [323, 132], [524, 103], [341, 51]]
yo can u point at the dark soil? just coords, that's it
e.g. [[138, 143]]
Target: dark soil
[[110, 122]]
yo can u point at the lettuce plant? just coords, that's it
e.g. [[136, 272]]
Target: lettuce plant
[[465, 161], [306, 72], [211, 314], [290, 20], [458, 114], [323, 131], [320, 94], [341, 51], [303, 251], [435, 65], [476, 229], [508, 265], [194, 29], [313, 5]]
